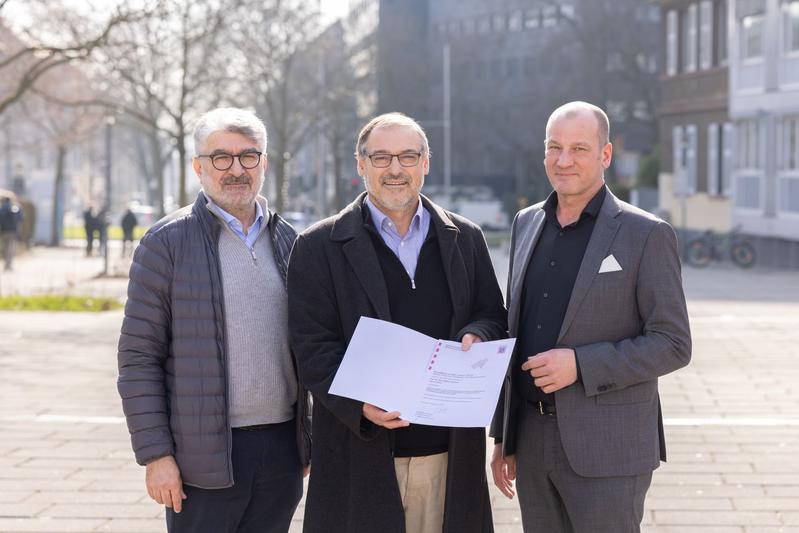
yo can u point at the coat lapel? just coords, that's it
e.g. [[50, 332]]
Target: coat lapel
[[526, 239], [607, 224], [360, 253]]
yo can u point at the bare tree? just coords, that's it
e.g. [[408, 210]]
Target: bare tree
[[63, 127], [282, 75], [58, 39]]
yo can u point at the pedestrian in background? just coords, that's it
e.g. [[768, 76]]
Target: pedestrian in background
[[90, 226], [10, 226], [128, 224]]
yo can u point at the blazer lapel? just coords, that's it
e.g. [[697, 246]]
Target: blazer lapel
[[607, 224], [526, 237]]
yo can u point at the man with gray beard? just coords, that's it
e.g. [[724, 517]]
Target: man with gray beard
[[207, 379]]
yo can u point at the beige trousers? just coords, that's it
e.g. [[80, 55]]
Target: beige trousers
[[423, 487]]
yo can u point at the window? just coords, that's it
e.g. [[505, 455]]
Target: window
[[684, 140], [496, 69], [715, 159], [549, 17], [515, 21], [789, 194], [705, 34], [616, 110], [468, 27], [511, 67], [529, 66], [498, 23], [532, 19], [641, 111], [791, 25], [720, 24], [748, 145], [752, 37], [480, 69], [453, 28], [789, 159], [671, 42], [567, 11], [614, 62], [689, 38], [483, 26]]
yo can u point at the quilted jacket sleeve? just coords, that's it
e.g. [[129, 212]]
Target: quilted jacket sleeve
[[144, 347]]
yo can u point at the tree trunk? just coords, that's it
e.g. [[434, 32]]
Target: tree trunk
[[279, 169], [58, 186], [181, 146], [158, 173]]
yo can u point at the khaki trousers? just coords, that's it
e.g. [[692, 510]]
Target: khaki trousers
[[423, 487]]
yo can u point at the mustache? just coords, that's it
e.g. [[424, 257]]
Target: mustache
[[243, 179]]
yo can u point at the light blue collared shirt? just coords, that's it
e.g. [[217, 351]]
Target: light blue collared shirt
[[234, 224], [406, 248]]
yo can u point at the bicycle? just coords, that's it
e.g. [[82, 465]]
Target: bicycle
[[701, 251]]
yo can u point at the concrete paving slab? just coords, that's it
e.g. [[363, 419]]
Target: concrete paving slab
[[732, 416]]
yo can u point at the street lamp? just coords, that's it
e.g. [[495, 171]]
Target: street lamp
[[104, 221]]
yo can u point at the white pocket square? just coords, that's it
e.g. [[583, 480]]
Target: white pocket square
[[609, 264]]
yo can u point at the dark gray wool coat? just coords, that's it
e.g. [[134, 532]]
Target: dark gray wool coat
[[172, 360], [335, 278]]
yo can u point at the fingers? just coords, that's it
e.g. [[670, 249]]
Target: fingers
[[535, 361], [468, 340], [499, 470], [388, 420], [510, 462]]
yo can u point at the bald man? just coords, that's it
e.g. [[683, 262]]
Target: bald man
[[595, 298]]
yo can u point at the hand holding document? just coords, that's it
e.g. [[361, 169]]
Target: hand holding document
[[429, 381]]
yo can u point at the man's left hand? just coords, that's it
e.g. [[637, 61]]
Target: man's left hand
[[468, 340], [552, 370]]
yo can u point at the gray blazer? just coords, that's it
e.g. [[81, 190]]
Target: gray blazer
[[628, 327]]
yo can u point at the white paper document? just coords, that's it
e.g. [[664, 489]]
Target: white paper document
[[428, 381]]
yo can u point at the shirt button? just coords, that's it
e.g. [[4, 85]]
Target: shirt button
[[552, 263], [560, 234], [402, 243]]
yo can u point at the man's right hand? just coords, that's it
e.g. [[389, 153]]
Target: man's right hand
[[504, 471], [164, 484], [379, 417]]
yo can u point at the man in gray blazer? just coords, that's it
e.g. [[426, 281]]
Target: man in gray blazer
[[595, 299]]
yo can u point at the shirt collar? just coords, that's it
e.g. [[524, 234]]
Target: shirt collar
[[380, 219], [590, 210], [230, 220]]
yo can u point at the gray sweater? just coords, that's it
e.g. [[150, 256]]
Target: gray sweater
[[262, 384]]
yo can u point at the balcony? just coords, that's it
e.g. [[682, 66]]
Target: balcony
[[687, 92]]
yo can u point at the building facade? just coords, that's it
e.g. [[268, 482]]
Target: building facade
[[764, 107], [696, 135], [482, 77]]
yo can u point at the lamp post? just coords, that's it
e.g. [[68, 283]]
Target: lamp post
[[109, 124]]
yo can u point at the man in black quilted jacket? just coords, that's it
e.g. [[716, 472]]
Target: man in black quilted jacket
[[208, 382]]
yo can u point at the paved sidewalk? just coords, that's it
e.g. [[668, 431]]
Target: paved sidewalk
[[732, 416]]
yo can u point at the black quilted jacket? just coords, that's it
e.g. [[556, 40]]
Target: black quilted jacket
[[172, 360]]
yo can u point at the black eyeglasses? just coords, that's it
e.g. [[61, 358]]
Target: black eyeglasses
[[406, 159], [223, 161]]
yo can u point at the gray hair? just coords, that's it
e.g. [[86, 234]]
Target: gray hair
[[389, 120], [572, 109], [231, 119]]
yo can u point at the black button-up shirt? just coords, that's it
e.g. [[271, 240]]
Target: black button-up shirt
[[548, 285]]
